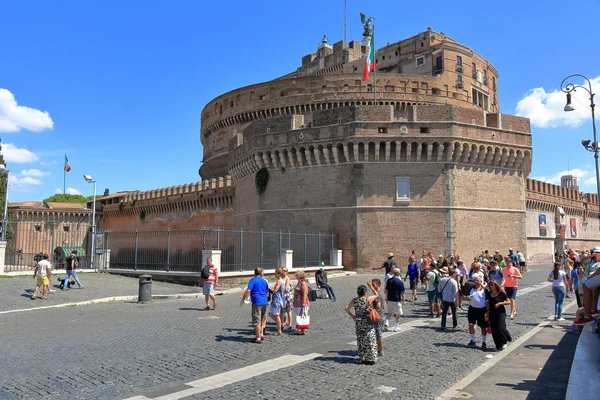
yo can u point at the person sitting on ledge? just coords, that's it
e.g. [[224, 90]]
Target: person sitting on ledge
[[321, 280]]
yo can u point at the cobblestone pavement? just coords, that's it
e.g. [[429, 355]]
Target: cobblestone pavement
[[15, 292], [119, 350]]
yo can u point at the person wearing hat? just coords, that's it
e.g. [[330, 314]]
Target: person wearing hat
[[448, 289], [388, 264], [321, 280]]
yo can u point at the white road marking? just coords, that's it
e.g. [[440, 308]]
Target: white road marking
[[404, 328], [237, 375], [458, 387]]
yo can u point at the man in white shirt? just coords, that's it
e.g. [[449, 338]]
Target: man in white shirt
[[42, 271], [477, 312]]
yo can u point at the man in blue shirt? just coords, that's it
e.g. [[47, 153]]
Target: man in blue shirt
[[413, 272], [258, 288]]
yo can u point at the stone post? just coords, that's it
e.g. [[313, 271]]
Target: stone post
[[2, 254], [216, 258], [335, 258], [287, 259], [103, 260]]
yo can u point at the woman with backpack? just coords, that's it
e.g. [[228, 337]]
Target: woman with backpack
[[365, 330]]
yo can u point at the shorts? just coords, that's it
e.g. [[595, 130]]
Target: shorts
[[521, 263], [433, 297], [274, 310], [477, 316], [413, 284], [378, 332], [42, 280], [511, 292], [208, 288], [394, 308], [259, 314], [593, 283]]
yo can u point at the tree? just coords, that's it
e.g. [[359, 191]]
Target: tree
[[106, 192], [68, 198]]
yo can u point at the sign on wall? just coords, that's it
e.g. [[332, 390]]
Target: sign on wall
[[573, 224], [543, 226]]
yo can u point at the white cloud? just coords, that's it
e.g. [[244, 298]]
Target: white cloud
[[14, 117], [69, 191], [13, 154], [546, 109], [47, 164], [555, 179], [590, 181], [34, 172], [23, 184]]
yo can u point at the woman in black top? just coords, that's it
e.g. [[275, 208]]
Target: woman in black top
[[496, 301]]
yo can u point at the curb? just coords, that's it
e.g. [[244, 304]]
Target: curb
[[121, 299], [154, 297]]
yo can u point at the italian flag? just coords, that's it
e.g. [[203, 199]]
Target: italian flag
[[370, 62], [67, 165]]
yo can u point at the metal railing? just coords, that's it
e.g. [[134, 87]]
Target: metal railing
[[28, 238], [181, 250]]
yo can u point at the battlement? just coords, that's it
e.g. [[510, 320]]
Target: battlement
[[555, 194], [197, 187]]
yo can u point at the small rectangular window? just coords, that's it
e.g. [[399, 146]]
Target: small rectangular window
[[459, 61], [389, 88], [459, 78], [38, 228], [346, 88], [65, 229], [420, 61], [261, 97], [369, 88], [402, 188], [382, 129], [383, 57], [424, 129], [396, 53]]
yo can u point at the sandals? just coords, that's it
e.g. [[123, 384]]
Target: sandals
[[279, 333]]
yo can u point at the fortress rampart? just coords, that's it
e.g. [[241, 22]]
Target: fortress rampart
[[428, 68]]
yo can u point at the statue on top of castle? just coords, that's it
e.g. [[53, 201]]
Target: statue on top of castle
[[367, 24]]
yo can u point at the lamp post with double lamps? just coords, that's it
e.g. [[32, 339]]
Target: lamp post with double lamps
[[568, 87], [90, 180], [3, 169]]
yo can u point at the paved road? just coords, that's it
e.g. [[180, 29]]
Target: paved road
[[119, 350]]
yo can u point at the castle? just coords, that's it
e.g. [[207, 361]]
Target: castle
[[418, 158]]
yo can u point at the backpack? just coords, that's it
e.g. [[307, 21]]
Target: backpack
[[436, 280], [205, 272]]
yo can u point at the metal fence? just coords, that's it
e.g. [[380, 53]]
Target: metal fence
[[181, 250], [28, 238]]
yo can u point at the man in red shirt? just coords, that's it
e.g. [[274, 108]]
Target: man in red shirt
[[208, 287]]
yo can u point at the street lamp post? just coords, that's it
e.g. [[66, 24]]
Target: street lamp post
[[568, 87], [3, 168], [90, 180]]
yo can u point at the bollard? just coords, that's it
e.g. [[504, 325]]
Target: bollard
[[145, 292]]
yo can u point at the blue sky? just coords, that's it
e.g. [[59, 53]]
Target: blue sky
[[119, 85]]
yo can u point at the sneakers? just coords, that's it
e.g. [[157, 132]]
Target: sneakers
[[256, 340], [504, 346], [483, 346], [471, 344], [397, 328], [334, 299], [595, 313], [561, 319], [583, 321]]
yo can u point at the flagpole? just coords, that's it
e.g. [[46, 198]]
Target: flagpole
[[374, 67], [65, 176]]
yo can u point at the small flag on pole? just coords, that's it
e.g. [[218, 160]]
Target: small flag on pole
[[67, 165]]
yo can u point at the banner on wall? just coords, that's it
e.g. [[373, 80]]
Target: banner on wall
[[573, 225], [542, 223]]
